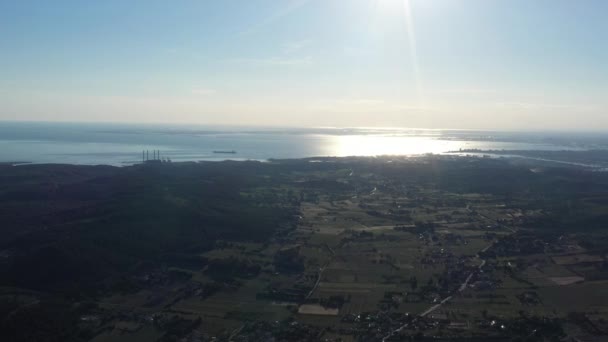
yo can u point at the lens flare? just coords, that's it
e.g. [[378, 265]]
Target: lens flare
[[411, 35], [403, 9]]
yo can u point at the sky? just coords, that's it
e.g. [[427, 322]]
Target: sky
[[477, 64]]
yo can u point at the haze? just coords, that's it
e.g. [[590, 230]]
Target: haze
[[514, 64]]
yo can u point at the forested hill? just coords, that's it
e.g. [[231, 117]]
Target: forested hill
[[69, 227]]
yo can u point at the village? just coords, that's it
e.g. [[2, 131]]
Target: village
[[380, 263]]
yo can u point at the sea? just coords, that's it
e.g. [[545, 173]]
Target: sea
[[125, 144]]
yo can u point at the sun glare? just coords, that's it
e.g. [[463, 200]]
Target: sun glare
[[403, 9], [389, 4], [366, 145]]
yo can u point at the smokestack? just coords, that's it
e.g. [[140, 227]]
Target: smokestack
[[147, 155]]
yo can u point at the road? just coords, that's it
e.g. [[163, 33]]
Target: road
[[321, 270], [462, 287], [235, 332], [318, 280]]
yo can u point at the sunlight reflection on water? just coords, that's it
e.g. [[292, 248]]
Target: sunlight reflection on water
[[123, 144], [369, 145]]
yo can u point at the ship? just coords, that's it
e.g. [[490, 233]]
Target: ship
[[226, 152]]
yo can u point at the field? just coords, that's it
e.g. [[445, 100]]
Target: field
[[341, 250]]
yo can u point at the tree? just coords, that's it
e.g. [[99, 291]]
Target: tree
[[413, 283]]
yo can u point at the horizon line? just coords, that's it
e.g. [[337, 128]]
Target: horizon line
[[324, 127]]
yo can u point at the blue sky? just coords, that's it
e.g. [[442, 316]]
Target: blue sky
[[492, 64]]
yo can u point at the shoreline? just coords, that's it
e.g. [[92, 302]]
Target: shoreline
[[578, 158]]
